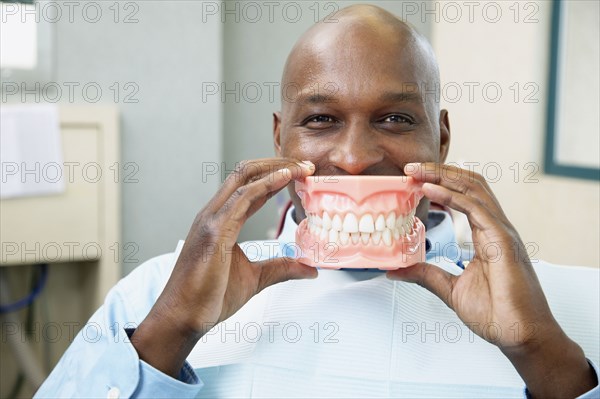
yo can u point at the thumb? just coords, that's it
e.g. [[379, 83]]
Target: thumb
[[428, 276], [277, 270]]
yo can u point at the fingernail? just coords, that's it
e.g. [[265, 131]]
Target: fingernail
[[411, 167], [309, 164]]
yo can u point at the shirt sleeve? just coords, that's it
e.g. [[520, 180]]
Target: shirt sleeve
[[594, 393], [102, 362]]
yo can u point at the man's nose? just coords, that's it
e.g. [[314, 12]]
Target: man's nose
[[355, 150]]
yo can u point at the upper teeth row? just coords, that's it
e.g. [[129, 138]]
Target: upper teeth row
[[366, 224], [365, 229]]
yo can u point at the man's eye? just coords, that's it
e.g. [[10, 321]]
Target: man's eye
[[398, 119], [320, 122], [320, 119]]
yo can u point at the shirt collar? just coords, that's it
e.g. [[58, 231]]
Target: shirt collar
[[440, 236]]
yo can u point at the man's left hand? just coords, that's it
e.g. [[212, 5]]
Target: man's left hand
[[498, 295]]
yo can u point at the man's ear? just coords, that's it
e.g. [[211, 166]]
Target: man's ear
[[277, 132], [444, 135]]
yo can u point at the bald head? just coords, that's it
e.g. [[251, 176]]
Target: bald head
[[359, 36]]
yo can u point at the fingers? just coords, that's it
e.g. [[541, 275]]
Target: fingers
[[222, 222], [486, 228], [430, 277], [250, 171], [225, 220], [478, 215], [277, 270], [246, 200], [456, 179]]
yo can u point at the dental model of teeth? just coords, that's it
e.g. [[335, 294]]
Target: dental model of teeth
[[366, 229], [360, 222]]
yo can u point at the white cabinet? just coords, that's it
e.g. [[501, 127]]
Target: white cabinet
[[83, 223]]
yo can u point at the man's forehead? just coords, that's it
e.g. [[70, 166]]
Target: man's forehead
[[361, 64], [390, 76]]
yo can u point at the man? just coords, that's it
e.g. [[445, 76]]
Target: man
[[360, 110]]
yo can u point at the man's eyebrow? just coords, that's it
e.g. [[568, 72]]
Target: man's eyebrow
[[401, 96], [317, 99]]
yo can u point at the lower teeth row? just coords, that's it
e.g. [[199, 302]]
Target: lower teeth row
[[385, 237]]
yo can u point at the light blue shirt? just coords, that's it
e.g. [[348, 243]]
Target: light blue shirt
[[347, 333]]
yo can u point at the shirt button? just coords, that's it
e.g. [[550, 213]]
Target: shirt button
[[113, 393]]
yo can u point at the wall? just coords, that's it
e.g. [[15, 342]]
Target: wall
[[168, 133], [158, 61], [557, 216]]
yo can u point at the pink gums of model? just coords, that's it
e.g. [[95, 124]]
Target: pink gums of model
[[360, 222]]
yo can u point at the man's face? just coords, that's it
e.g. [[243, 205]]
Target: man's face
[[359, 111]]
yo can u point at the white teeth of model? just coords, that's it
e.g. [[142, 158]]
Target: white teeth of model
[[366, 224], [366, 230], [326, 221], [364, 237], [324, 234], [390, 221], [400, 222], [376, 237], [344, 238], [336, 223], [387, 237], [380, 223], [350, 223], [333, 235], [317, 220]]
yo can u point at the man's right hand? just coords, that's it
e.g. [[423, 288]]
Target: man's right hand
[[213, 278]]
